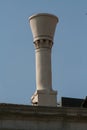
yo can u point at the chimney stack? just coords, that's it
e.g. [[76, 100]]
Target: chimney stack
[[43, 28]]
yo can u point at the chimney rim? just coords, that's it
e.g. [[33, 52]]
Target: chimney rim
[[44, 14]]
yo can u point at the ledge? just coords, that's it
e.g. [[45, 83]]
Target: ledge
[[15, 111]]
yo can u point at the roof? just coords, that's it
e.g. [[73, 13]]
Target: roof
[[73, 102]]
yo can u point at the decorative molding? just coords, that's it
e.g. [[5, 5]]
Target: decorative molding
[[43, 43]]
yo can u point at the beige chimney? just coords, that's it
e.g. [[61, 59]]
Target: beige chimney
[[43, 28]]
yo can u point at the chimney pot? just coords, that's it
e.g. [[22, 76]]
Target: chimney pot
[[43, 28]]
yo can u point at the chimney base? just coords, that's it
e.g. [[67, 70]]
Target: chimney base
[[44, 98]]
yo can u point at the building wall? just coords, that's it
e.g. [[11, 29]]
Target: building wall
[[38, 125], [20, 117]]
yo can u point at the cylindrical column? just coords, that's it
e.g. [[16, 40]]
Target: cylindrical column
[[43, 65], [43, 28]]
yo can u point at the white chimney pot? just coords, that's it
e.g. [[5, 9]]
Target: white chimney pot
[[43, 28]]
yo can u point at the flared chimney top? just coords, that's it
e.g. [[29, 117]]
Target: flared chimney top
[[43, 26]]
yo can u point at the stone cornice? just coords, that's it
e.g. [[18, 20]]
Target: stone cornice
[[10, 111]]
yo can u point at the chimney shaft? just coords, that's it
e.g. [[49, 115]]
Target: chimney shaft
[[43, 28]]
